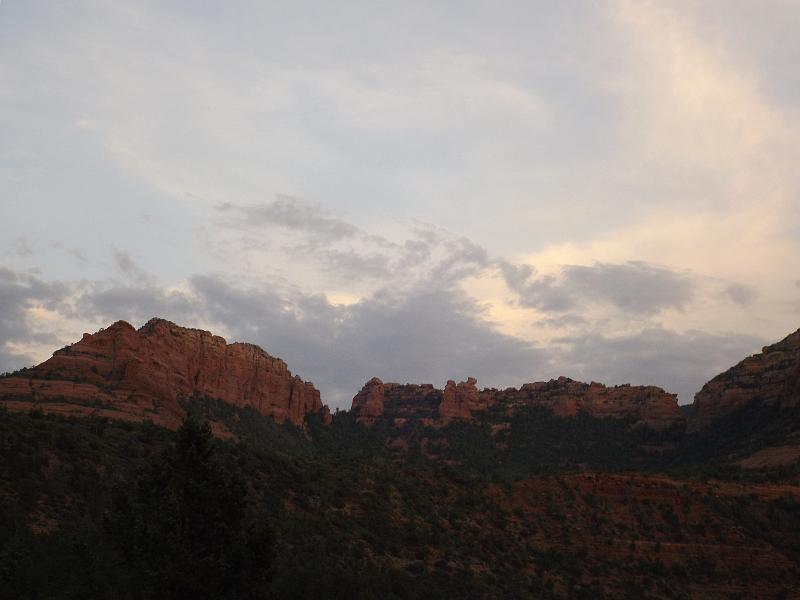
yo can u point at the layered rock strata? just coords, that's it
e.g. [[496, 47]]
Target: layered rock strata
[[646, 405], [769, 378], [135, 375]]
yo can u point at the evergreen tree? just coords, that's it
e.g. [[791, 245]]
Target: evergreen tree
[[182, 526]]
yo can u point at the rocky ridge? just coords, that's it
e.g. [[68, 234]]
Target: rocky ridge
[[133, 375], [770, 378], [646, 405]]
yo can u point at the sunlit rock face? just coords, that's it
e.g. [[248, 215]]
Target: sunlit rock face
[[135, 375], [769, 378]]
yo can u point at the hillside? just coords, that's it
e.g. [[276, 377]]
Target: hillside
[[348, 521]]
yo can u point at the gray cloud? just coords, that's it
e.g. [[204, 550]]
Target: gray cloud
[[679, 362], [351, 263], [442, 261], [109, 302], [128, 267], [566, 320], [544, 293], [72, 252], [338, 246], [634, 287], [294, 214], [463, 258], [741, 294], [18, 292], [344, 249], [416, 251], [21, 247]]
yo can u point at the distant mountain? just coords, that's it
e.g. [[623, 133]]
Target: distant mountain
[[122, 373]]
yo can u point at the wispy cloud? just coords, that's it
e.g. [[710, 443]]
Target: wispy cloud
[[311, 220], [128, 267]]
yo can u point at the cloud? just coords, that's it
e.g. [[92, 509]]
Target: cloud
[[106, 302], [21, 247], [633, 287], [462, 258], [293, 214], [741, 294], [20, 292], [75, 254], [335, 245], [351, 263], [338, 247], [126, 265], [562, 321], [680, 362]]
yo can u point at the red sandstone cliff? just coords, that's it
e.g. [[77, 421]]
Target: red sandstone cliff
[[771, 378], [368, 403], [647, 405], [134, 375]]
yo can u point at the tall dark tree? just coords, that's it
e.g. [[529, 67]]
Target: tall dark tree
[[182, 526]]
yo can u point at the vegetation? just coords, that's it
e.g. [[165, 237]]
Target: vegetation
[[92, 508], [537, 442]]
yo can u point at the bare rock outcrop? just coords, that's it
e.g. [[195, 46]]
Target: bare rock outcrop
[[368, 403], [133, 375], [646, 405], [770, 378], [459, 400]]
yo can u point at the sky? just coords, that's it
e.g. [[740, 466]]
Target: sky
[[415, 191]]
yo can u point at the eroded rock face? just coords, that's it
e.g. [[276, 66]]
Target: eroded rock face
[[368, 403], [647, 405], [459, 400], [134, 375], [771, 378]]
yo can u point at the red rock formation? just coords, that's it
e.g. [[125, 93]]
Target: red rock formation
[[771, 378], [395, 401], [458, 401], [368, 403], [646, 405], [141, 374]]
